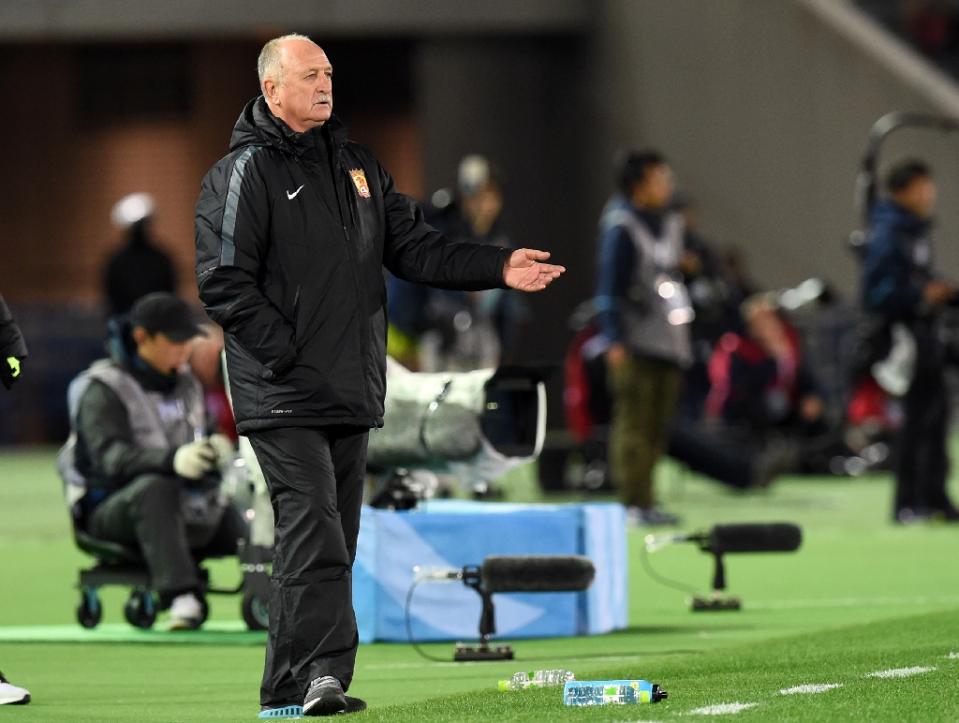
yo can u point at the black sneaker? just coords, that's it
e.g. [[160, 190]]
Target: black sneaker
[[325, 697]]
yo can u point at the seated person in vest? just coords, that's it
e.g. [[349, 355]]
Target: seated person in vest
[[151, 471]]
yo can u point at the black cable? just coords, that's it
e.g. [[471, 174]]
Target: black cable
[[409, 627], [665, 581]]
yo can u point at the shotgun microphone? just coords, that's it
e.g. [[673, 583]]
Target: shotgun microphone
[[746, 537], [537, 573], [753, 537]]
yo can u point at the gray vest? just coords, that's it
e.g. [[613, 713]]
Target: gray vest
[[157, 421], [657, 312]]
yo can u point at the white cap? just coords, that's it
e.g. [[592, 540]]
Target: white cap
[[132, 208], [474, 173]]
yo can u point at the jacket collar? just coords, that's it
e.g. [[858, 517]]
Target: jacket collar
[[258, 126]]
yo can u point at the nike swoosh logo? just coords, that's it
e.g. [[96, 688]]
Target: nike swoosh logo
[[291, 196]]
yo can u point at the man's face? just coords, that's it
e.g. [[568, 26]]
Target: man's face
[[919, 197], [656, 189], [160, 351], [303, 95]]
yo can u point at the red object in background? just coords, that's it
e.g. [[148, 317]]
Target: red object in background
[[869, 404], [219, 406], [579, 418], [748, 350]]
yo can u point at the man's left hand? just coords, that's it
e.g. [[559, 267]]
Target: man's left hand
[[526, 271]]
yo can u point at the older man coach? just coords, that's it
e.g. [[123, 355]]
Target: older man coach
[[293, 229]]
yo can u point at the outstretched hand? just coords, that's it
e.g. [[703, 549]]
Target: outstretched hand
[[525, 270]]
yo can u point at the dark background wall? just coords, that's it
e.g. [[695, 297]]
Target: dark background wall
[[763, 109], [95, 121]]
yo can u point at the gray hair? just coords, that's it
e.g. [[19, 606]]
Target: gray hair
[[268, 64]]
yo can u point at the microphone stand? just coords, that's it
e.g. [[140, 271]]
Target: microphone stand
[[487, 626], [716, 601]]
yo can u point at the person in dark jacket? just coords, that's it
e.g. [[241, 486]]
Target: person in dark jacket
[[140, 266], [293, 228], [901, 288], [471, 329], [143, 450], [13, 348]]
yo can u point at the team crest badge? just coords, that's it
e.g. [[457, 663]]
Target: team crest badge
[[359, 180]]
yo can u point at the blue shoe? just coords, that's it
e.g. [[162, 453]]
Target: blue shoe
[[287, 712]]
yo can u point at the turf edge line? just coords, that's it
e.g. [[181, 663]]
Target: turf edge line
[[721, 709], [810, 688], [901, 672]]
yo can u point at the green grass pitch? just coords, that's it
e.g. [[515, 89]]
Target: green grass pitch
[[861, 596]]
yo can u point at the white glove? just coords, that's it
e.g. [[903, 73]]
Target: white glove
[[223, 446], [195, 459]]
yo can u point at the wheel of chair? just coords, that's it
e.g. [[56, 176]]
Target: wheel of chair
[[89, 611], [256, 611], [140, 610]]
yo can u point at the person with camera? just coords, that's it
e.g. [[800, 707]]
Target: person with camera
[[151, 471], [644, 314]]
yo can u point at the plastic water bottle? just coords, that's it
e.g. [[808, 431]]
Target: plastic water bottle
[[536, 679], [612, 692]]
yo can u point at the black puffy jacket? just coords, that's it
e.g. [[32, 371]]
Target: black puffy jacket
[[292, 233]]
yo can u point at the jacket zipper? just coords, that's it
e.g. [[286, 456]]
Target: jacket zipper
[[340, 176]]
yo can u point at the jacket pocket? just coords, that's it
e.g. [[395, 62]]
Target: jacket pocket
[[246, 375]]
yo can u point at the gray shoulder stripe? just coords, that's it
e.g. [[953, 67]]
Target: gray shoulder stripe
[[227, 247]]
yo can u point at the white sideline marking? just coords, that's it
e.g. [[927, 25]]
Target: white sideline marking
[[810, 688], [952, 656], [722, 709], [900, 672]]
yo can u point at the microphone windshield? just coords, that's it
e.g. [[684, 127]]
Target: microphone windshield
[[764, 537], [537, 573]]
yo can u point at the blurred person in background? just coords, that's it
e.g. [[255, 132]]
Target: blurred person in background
[[901, 289], [140, 266], [13, 350], [438, 329], [151, 471], [715, 305], [293, 228], [764, 414], [644, 313]]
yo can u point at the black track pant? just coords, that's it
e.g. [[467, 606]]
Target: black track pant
[[147, 513], [315, 476], [923, 463]]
